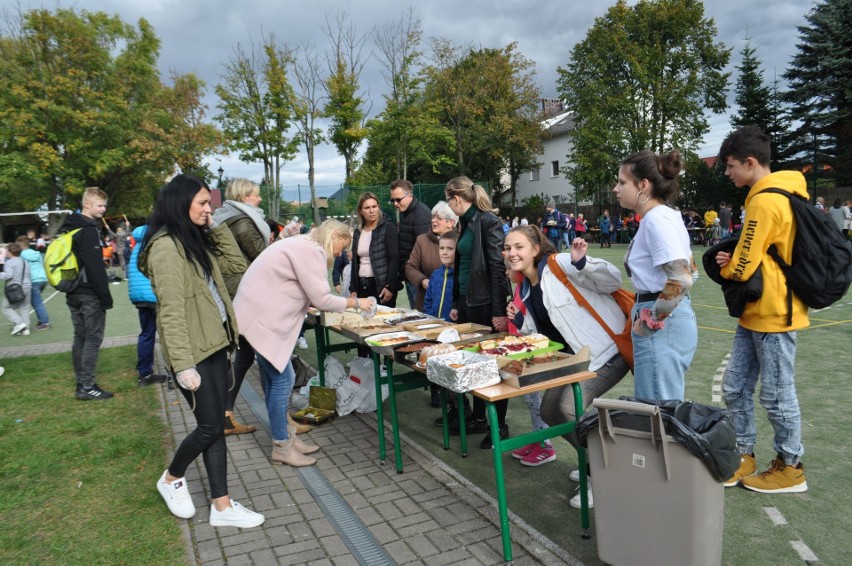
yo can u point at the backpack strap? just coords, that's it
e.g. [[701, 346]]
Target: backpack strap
[[581, 300], [773, 252]]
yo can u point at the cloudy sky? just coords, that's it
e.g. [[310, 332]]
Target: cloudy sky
[[198, 36]]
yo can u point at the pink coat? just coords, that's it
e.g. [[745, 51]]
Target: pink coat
[[275, 293]]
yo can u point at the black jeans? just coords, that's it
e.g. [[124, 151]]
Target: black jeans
[[208, 438], [481, 315], [145, 341], [88, 319], [243, 360]]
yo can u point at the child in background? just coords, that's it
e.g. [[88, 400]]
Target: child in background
[[439, 294]]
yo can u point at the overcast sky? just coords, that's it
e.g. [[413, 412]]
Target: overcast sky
[[198, 36]]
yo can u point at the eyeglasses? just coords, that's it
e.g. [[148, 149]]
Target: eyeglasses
[[400, 199]]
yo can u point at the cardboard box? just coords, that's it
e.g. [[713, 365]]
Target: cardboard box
[[321, 405], [419, 326], [367, 327], [474, 346], [546, 371], [464, 328]]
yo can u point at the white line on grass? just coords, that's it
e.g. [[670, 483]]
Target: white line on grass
[[805, 553], [716, 389], [775, 516]]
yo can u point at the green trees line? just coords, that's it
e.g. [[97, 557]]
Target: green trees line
[[82, 104]]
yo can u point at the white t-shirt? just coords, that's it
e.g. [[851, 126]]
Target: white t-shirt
[[661, 238], [365, 268]]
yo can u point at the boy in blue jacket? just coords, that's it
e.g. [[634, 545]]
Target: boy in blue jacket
[[439, 294]]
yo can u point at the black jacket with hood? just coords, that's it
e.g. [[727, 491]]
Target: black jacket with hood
[[89, 250]]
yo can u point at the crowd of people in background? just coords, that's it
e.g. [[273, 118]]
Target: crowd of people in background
[[229, 288]]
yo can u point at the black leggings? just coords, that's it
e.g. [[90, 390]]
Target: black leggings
[[208, 438], [243, 360], [481, 315]]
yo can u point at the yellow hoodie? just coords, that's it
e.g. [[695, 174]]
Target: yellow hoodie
[[769, 220]]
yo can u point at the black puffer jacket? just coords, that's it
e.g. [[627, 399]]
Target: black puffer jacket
[[87, 246], [488, 284], [384, 256], [416, 220], [736, 293]]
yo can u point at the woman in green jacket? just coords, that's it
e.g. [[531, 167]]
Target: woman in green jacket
[[185, 255]]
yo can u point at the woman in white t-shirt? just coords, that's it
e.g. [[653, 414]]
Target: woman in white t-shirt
[[665, 333]]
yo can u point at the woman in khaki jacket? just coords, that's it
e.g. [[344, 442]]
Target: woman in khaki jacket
[[185, 255]]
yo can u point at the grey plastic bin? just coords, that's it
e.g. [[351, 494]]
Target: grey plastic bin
[[655, 503]]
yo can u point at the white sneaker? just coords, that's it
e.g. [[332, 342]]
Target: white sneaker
[[177, 497], [575, 501], [235, 516], [574, 475], [18, 328], [25, 331], [303, 344]]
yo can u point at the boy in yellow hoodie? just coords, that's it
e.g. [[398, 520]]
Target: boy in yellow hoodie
[[764, 345]]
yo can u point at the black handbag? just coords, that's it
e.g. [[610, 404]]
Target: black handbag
[[14, 291]]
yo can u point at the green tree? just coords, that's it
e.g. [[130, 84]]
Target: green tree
[[75, 91], [344, 104], [641, 79], [762, 106], [306, 107], [819, 91], [255, 100]]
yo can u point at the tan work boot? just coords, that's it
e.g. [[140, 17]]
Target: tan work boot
[[285, 453], [232, 426], [748, 467], [300, 428], [298, 444]]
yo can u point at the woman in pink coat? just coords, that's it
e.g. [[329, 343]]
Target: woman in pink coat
[[271, 302]]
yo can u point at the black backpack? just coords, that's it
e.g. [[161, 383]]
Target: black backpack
[[821, 268]]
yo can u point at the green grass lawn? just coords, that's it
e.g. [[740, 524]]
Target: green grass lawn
[[78, 478]]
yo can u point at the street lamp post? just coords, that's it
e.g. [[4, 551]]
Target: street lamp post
[[221, 172]]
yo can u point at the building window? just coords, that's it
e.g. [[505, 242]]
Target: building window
[[535, 174], [554, 168]]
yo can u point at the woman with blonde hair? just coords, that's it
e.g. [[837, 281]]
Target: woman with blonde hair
[[271, 303], [241, 214], [481, 288]]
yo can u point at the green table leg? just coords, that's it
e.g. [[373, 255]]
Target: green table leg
[[462, 424], [501, 481], [380, 417], [397, 449], [322, 340], [446, 428], [581, 460]]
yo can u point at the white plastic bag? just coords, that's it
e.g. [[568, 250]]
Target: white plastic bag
[[349, 393], [361, 372]]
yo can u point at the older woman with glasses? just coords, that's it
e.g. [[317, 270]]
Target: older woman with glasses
[[424, 259]]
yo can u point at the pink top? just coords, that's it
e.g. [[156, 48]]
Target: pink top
[[275, 293]]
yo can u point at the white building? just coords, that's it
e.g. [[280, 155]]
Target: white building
[[548, 179]]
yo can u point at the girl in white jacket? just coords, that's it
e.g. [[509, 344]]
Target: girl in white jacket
[[553, 311]]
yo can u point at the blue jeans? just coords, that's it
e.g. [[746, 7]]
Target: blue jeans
[[566, 237], [38, 304], [89, 320], [145, 341], [277, 386], [770, 357], [411, 291], [661, 359]]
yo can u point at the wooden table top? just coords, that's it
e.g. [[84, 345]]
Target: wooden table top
[[503, 391]]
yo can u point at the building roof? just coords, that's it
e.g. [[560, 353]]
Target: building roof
[[559, 124]]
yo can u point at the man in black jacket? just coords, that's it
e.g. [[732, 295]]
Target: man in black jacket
[[415, 218], [91, 299]]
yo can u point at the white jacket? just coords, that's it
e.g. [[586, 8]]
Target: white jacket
[[578, 327]]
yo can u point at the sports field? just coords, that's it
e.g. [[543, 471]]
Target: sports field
[[813, 527]]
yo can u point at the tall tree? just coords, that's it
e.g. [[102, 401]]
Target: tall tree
[[641, 79], [75, 89], [488, 99], [255, 109], [344, 103], [306, 106], [818, 77], [761, 105]]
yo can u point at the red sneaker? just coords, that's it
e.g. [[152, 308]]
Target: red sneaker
[[523, 451], [539, 455]]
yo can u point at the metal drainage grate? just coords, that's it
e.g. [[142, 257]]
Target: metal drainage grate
[[351, 529]]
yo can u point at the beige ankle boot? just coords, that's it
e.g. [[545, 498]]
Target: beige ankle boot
[[232, 426], [298, 444], [300, 427], [285, 453]]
